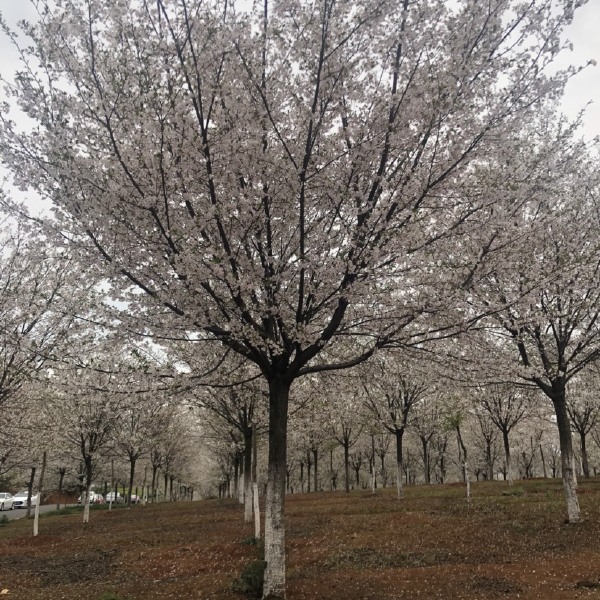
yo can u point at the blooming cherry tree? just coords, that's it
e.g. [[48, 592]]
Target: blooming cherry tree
[[277, 177]]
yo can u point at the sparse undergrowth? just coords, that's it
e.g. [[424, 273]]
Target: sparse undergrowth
[[431, 545], [250, 581]]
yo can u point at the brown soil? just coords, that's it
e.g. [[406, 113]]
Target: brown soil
[[510, 543]]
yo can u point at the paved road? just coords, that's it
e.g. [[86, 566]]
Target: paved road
[[19, 513]]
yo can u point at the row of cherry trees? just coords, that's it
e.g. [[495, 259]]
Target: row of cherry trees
[[71, 389], [97, 427], [360, 440]]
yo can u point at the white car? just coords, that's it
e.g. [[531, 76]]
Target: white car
[[93, 498], [6, 501], [110, 497], [20, 499]]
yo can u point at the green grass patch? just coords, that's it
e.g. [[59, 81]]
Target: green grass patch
[[250, 581]]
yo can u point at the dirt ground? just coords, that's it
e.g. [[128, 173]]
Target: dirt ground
[[510, 543]]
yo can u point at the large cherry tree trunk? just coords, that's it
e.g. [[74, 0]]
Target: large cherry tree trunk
[[274, 579], [566, 453]]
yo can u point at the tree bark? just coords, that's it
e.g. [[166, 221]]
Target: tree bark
[[274, 578], [566, 455]]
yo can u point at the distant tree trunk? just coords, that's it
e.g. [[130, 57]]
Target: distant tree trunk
[[154, 484], [584, 455], [248, 514], [166, 484], [36, 518], [332, 475], [302, 477], [543, 462], [372, 465], [132, 461], [462, 452], [112, 485], [315, 459], [308, 470], [347, 466], [357, 473], [144, 487], [29, 491], [399, 435], [61, 477], [236, 474], [88, 486], [255, 505], [489, 460], [426, 459], [507, 459]]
